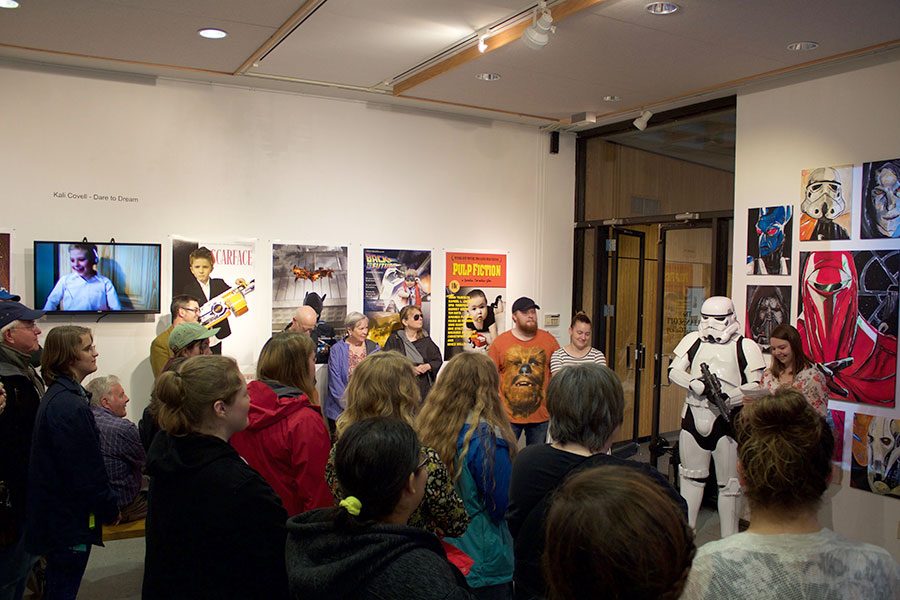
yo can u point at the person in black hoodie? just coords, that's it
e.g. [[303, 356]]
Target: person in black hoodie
[[215, 528], [69, 496], [363, 549]]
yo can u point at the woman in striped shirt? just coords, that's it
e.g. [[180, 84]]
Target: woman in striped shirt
[[578, 350]]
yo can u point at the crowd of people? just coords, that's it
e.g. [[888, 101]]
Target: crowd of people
[[407, 480]]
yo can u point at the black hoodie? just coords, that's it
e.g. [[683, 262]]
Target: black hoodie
[[215, 529], [375, 562]]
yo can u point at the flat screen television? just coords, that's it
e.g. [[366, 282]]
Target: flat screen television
[[96, 277]]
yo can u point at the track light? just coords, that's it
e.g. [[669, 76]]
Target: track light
[[483, 35], [641, 121], [538, 35]]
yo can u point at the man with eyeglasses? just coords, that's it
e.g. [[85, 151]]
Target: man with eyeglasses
[[18, 339], [185, 309]]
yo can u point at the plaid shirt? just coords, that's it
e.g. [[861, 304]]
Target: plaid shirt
[[123, 454]]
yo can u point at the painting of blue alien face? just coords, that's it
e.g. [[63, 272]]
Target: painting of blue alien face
[[769, 240], [770, 228]]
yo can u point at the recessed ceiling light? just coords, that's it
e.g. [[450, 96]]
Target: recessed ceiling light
[[211, 33], [802, 46], [9, 4], [611, 98], [661, 8], [488, 76]]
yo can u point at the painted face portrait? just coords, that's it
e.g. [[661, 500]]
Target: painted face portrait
[[770, 228], [883, 471], [885, 200], [523, 379]]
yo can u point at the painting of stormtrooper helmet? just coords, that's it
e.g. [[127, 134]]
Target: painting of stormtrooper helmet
[[826, 213]]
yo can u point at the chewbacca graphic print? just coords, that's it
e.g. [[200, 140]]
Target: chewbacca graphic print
[[524, 374]]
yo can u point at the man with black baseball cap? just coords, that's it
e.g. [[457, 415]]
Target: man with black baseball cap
[[522, 356], [18, 339]]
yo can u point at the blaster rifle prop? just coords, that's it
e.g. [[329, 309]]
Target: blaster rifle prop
[[713, 391], [230, 302]]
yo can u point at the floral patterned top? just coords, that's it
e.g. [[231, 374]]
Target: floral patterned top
[[810, 382], [441, 512]]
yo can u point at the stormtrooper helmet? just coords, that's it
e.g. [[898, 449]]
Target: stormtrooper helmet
[[717, 321], [824, 194]]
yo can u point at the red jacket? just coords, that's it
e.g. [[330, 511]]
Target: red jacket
[[288, 444]]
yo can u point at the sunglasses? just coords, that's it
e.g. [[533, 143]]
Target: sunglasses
[[417, 317]]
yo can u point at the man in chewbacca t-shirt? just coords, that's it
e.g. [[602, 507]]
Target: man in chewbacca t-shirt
[[522, 356]]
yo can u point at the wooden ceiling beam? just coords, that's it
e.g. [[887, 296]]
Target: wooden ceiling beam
[[559, 11], [307, 8]]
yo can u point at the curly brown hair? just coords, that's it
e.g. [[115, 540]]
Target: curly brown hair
[[784, 449], [382, 385], [612, 532], [468, 391]]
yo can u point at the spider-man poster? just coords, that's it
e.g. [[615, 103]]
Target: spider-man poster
[[848, 321]]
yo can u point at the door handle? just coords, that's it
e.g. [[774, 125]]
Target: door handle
[[628, 356]]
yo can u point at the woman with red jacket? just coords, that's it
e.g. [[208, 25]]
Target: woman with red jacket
[[287, 441]]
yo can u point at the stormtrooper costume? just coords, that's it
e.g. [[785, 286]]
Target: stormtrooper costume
[[739, 364], [824, 202]]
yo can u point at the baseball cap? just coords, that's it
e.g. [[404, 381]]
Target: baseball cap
[[187, 333], [6, 295], [524, 303], [13, 311]]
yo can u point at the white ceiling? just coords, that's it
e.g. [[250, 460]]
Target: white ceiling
[[367, 49]]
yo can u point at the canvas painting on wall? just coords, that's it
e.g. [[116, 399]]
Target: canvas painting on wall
[[393, 279], [848, 321], [876, 455], [768, 306], [825, 203], [769, 240], [880, 216]]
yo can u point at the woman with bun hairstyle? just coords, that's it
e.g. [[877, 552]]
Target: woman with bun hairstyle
[[69, 496], [287, 441], [791, 368], [364, 548], [613, 532], [464, 420], [784, 464], [215, 528], [384, 384]]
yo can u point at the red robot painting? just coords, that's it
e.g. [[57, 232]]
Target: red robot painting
[[854, 345]]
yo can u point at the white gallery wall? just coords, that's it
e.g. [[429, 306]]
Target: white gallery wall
[[226, 163], [843, 119]]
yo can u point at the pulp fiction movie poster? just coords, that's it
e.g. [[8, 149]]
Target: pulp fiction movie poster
[[476, 301]]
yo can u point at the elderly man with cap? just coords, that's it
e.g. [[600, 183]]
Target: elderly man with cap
[[185, 340], [185, 309], [522, 356], [18, 339]]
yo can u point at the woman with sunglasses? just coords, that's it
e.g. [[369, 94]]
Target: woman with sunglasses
[[417, 346], [364, 548]]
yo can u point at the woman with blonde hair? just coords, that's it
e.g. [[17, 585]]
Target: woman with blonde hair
[[464, 420], [414, 343], [287, 441], [215, 528], [784, 464], [384, 385], [69, 496]]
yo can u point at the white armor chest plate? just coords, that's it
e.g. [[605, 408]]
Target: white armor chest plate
[[722, 361]]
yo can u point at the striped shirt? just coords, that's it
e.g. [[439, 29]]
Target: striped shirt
[[561, 359]]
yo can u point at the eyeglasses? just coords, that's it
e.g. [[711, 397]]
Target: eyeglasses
[[193, 310], [25, 325], [410, 279]]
